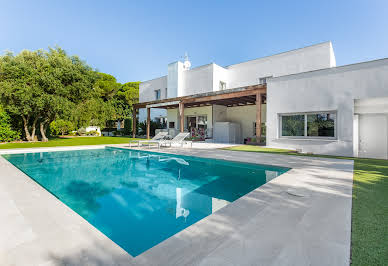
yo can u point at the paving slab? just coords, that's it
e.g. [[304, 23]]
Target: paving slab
[[302, 217]]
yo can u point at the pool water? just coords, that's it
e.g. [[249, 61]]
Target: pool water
[[138, 199]]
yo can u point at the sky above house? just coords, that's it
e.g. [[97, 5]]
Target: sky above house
[[135, 40]]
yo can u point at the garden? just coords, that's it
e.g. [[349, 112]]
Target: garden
[[48, 95]]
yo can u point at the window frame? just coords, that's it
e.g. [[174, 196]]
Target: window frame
[[158, 92], [222, 85], [280, 126], [265, 79]]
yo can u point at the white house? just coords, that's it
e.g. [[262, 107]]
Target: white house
[[297, 99]]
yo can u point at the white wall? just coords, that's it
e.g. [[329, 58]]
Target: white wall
[[245, 116], [371, 105], [219, 113], [220, 74], [175, 80], [147, 89], [332, 89], [198, 80], [147, 93], [206, 78], [310, 58], [173, 115]]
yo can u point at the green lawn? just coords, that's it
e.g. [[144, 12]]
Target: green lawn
[[68, 142], [369, 210]]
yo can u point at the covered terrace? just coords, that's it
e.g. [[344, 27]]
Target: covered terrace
[[250, 95]]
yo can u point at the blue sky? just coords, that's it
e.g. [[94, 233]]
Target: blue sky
[[135, 40]]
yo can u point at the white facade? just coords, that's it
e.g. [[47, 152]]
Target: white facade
[[93, 128], [340, 110], [183, 82], [328, 90]]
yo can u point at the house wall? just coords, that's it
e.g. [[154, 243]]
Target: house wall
[[147, 93], [147, 89], [173, 115], [198, 80], [246, 117], [332, 89], [219, 113], [310, 58], [220, 74], [175, 80]]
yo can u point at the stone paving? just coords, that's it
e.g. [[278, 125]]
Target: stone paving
[[302, 217]]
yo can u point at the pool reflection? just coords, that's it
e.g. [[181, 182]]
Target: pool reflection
[[139, 199]]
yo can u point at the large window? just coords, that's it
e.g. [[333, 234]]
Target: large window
[[293, 125], [321, 125], [308, 125]]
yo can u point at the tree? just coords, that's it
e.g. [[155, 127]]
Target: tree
[[93, 112], [126, 97], [19, 87], [106, 86], [6, 132], [61, 126], [41, 86]]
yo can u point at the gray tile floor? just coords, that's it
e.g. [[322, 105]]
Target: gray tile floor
[[302, 217]]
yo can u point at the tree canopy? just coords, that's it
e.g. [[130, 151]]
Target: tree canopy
[[42, 86]]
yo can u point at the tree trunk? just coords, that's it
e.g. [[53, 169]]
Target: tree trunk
[[25, 125], [34, 128], [43, 127]]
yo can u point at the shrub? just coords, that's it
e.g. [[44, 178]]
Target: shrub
[[81, 131], [128, 126], [92, 133], [6, 132], [153, 125], [61, 127]]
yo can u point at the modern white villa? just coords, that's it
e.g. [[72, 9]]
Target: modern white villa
[[297, 100]]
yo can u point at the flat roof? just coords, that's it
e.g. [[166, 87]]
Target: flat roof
[[264, 57]]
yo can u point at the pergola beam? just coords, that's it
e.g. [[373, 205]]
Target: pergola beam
[[148, 122], [258, 117], [134, 122], [211, 97], [182, 115]]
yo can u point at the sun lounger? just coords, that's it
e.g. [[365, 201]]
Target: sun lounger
[[178, 139], [154, 140]]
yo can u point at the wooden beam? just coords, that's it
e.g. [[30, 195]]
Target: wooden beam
[[148, 122], [258, 117], [224, 96], [202, 98], [182, 115], [134, 122]]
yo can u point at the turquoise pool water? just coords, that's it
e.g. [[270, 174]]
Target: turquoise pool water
[[139, 199]]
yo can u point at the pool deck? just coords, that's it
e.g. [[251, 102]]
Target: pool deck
[[302, 217]]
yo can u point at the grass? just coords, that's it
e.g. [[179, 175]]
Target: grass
[[53, 142], [369, 208]]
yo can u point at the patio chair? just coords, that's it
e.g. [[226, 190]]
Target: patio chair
[[154, 140], [178, 139]]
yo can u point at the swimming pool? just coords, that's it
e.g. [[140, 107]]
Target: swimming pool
[[138, 199]]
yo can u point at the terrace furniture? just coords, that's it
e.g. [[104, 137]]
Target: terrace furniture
[[178, 139], [154, 140]]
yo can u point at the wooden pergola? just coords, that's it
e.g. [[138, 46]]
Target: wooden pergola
[[250, 95]]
